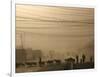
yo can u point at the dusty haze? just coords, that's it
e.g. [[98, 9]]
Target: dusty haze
[[66, 31]]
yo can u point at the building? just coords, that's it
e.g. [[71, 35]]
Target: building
[[28, 57], [33, 56], [70, 62], [20, 57]]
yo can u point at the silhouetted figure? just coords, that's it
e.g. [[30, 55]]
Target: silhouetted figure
[[81, 61], [91, 59], [77, 59], [40, 61], [83, 58]]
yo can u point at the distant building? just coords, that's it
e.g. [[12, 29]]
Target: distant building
[[20, 56], [33, 55], [57, 61], [49, 62], [28, 56], [70, 61]]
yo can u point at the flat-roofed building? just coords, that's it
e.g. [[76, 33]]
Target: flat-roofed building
[[20, 56], [33, 56]]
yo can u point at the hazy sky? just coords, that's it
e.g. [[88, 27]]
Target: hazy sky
[[62, 29]]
